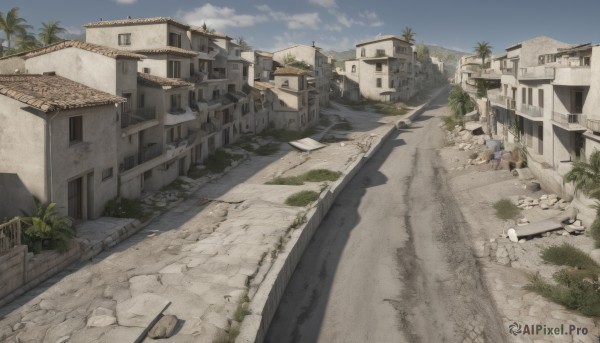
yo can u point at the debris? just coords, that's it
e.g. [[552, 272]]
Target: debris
[[164, 328], [538, 228], [512, 235]]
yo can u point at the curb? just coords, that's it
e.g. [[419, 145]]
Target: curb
[[265, 302]]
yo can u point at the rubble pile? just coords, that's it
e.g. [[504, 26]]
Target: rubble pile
[[545, 202]]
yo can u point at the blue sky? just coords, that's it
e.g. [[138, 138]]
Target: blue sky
[[339, 24]]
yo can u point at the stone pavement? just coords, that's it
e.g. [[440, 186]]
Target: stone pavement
[[200, 261]]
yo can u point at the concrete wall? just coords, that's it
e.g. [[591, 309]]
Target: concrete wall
[[592, 103], [23, 139], [10, 65], [142, 36], [95, 153]]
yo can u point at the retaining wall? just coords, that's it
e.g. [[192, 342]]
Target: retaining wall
[[266, 300]]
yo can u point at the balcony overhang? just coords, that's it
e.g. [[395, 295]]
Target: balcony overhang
[[175, 119], [530, 117], [135, 128], [569, 127]]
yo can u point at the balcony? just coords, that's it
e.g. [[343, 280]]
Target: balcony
[[217, 75], [593, 124], [531, 111], [573, 76], [536, 73], [197, 78], [144, 155], [488, 74], [10, 235], [569, 121], [508, 71], [138, 116]]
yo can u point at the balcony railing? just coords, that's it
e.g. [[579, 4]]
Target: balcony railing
[[209, 128], [511, 104], [530, 110], [568, 119], [137, 116], [196, 78], [593, 124], [535, 73], [217, 75], [144, 155], [507, 71], [10, 235]]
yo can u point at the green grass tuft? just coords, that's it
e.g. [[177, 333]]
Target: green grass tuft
[[505, 209], [217, 162], [568, 255], [268, 149], [315, 175], [302, 198]]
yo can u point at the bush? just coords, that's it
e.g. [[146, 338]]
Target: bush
[[288, 181], [568, 255], [390, 108], [196, 173], [344, 125], [302, 198], [505, 209], [217, 162], [124, 208], [46, 229], [450, 122]]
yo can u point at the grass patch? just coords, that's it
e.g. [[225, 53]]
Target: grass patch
[[302, 198], [505, 209], [576, 287], [173, 186], [344, 125], [289, 135], [267, 149], [217, 162], [450, 122], [315, 175], [196, 173], [568, 255], [241, 311], [228, 337], [390, 108], [299, 220]]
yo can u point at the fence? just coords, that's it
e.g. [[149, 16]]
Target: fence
[[10, 235]]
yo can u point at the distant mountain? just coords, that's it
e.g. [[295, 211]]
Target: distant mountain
[[451, 57]]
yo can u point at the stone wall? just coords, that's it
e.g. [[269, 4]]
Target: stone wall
[[21, 271]]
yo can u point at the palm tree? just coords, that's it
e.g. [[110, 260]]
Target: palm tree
[[586, 175], [45, 228], [50, 31], [2, 47], [408, 35], [25, 41], [11, 24], [460, 102], [483, 50], [243, 44]]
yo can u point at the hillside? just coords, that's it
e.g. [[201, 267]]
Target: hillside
[[450, 56]]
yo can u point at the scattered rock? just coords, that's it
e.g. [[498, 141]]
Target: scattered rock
[[522, 240], [164, 328], [141, 310], [101, 317]]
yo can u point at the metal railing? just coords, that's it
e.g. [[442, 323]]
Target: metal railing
[[144, 155], [137, 116], [531, 110], [566, 118], [593, 124], [10, 235]]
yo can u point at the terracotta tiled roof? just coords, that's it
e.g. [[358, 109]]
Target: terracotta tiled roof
[[263, 85], [99, 49], [290, 71], [210, 34], [49, 93], [168, 50], [161, 82], [380, 39], [137, 21]]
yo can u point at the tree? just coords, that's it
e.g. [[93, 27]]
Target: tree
[[586, 175], [11, 24], [50, 31], [483, 49], [243, 44], [408, 35], [25, 41], [422, 53], [460, 102]]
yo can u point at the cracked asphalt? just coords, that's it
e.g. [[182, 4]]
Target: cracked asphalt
[[392, 261]]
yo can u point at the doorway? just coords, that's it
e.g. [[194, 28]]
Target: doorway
[[182, 166], [540, 139], [75, 198]]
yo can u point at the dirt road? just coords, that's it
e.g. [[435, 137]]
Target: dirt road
[[392, 262]]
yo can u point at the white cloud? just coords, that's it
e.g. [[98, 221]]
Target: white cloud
[[372, 18], [125, 2], [294, 21], [219, 18], [333, 27], [324, 3], [74, 30]]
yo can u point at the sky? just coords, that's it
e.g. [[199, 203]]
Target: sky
[[338, 24]]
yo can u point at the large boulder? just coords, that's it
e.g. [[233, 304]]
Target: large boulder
[[164, 328]]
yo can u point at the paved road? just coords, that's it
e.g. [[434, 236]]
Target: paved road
[[392, 261]]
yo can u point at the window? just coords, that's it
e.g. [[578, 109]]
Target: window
[[216, 94], [281, 103], [75, 129], [541, 98], [175, 40], [380, 52], [285, 84], [126, 106], [363, 52], [378, 82], [107, 174], [192, 69], [174, 69], [235, 66], [530, 96], [586, 61], [147, 174], [392, 84], [200, 94], [353, 69], [524, 95], [142, 101], [175, 102], [192, 99], [378, 67], [125, 39], [147, 70]]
